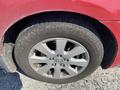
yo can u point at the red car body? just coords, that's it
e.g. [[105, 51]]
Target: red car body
[[105, 11]]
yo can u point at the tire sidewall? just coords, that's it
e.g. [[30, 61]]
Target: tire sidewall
[[39, 32]]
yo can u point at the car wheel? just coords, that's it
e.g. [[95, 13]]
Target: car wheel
[[58, 52]]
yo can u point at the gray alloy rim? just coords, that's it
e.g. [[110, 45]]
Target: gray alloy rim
[[58, 58]]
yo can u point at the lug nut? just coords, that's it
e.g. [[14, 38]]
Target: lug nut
[[67, 59], [54, 64], [62, 65], [60, 55]]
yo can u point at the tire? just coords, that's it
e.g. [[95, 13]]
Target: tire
[[38, 32]]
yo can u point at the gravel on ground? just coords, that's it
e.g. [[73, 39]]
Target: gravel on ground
[[100, 80]]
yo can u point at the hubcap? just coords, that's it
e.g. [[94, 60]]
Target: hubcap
[[58, 58]]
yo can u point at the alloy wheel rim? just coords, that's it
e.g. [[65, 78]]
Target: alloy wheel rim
[[58, 58]]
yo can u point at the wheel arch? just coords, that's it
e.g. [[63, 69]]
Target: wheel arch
[[106, 35]]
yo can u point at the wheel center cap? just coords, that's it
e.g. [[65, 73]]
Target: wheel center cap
[[59, 59]]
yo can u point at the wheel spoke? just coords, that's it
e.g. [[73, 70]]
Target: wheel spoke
[[58, 58], [37, 59], [57, 71], [71, 71], [44, 69], [60, 45], [78, 62], [42, 47], [75, 51]]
